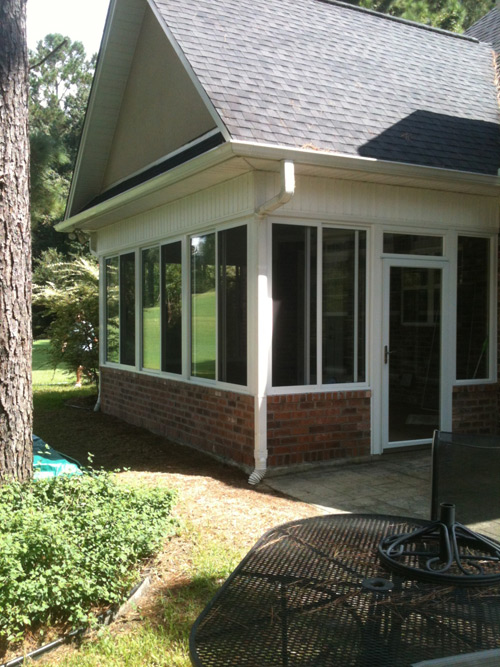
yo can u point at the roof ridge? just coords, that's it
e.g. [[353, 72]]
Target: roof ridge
[[398, 19]]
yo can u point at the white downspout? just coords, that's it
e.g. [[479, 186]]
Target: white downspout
[[285, 194], [264, 318]]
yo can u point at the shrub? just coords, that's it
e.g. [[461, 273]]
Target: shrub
[[68, 545], [68, 291]]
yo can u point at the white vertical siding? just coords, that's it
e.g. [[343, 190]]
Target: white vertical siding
[[215, 205], [359, 201]]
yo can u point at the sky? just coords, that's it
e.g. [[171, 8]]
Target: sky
[[81, 20]]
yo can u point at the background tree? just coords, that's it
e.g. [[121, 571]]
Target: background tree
[[16, 457], [60, 80], [454, 15]]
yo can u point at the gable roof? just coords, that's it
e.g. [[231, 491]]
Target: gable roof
[[341, 79], [487, 29], [315, 74]]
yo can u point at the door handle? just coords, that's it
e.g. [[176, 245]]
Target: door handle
[[387, 353]]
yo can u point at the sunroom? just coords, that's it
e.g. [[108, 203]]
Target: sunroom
[[298, 243]]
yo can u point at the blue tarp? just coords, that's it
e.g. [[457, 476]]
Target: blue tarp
[[48, 462]]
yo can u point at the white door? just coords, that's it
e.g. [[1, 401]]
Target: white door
[[415, 376]]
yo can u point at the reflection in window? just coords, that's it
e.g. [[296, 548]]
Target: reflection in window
[[473, 308], [171, 259], [413, 244], [344, 279], [203, 306], [294, 305], [127, 309], [112, 310], [232, 305], [343, 306], [151, 308], [120, 309]]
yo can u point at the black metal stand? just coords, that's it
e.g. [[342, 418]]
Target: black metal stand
[[446, 551]]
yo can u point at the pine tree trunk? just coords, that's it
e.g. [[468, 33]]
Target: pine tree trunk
[[16, 458]]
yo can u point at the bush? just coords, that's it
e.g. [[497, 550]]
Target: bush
[[68, 293], [68, 543]]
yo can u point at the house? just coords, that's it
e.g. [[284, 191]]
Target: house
[[487, 29], [295, 204]]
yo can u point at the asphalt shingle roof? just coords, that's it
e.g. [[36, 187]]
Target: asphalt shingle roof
[[322, 74], [487, 29]]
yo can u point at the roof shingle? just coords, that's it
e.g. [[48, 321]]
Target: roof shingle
[[310, 72], [487, 29]]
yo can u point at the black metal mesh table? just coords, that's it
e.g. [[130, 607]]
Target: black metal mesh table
[[314, 593]]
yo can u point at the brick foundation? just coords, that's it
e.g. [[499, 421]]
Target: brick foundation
[[218, 422], [307, 428], [475, 409]]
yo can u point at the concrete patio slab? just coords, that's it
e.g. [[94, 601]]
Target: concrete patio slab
[[395, 483]]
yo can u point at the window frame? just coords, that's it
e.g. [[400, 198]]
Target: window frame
[[104, 311], [185, 374], [319, 387], [492, 376], [188, 338]]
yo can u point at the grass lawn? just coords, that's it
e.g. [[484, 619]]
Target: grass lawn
[[214, 507], [44, 373], [203, 334]]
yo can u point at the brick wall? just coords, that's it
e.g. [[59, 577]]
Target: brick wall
[[218, 422], [304, 428], [475, 409]]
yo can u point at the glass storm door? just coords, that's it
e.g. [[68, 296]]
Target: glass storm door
[[412, 363]]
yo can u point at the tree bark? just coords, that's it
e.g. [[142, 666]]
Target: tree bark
[[16, 449]]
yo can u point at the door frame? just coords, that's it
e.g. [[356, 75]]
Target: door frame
[[447, 361]]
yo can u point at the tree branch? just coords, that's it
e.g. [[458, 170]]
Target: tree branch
[[49, 55]]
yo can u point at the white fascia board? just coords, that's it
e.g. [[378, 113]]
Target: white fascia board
[[441, 178], [191, 73], [356, 163], [90, 104], [93, 97], [205, 161]]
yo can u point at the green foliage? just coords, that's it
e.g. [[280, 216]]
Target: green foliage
[[454, 15], [68, 543], [60, 80], [69, 292]]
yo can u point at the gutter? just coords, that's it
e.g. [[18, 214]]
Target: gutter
[[437, 178], [264, 331]]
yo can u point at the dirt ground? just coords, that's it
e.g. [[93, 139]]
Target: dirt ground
[[215, 499]]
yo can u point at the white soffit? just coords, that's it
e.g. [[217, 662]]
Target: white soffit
[[122, 29], [237, 158]]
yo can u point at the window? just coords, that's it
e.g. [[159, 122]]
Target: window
[[342, 337], [120, 309], [232, 305], [151, 308], [473, 308], [218, 306], [344, 280], [420, 297], [413, 244], [294, 305], [203, 306], [112, 310], [171, 262]]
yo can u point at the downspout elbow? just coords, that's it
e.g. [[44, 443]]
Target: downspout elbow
[[257, 476], [285, 194]]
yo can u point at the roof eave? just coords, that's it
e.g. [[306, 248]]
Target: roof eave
[[443, 177], [269, 157]]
